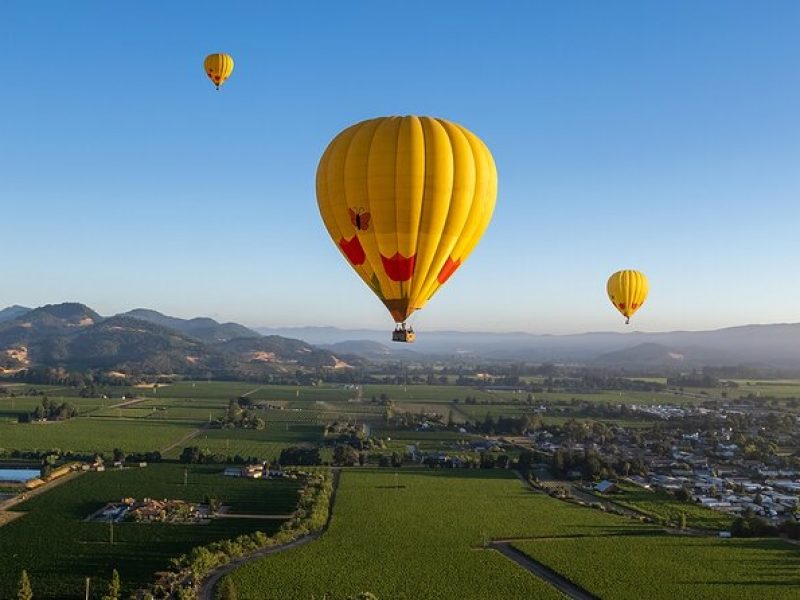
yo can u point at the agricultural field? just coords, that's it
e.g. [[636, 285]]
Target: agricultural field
[[415, 534], [12, 407], [265, 444], [631, 567], [59, 549], [662, 506], [784, 388], [93, 435]]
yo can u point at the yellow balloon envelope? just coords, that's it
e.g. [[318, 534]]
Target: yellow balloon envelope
[[218, 68], [627, 291], [406, 200]]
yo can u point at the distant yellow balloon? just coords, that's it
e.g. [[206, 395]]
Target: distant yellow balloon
[[218, 68], [406, 200], [627, 291]]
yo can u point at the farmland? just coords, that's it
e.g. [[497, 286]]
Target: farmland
[[660, 566], [387, 527], [92, 435], [662, 506], [263, 444], [59, 549]]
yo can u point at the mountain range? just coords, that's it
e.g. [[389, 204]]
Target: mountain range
[[775, 346], [75, 337]]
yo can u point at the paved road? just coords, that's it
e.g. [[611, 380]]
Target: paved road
[[563, 585], [210, 582], [28, 494]]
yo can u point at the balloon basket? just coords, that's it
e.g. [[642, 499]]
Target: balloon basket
[[403, 334]]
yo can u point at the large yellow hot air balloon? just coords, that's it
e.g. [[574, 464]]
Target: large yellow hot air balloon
[[406, 200], [627, 291], [218, 68]]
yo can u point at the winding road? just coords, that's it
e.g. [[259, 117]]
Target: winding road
[[210, 582]]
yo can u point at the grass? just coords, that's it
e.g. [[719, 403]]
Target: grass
[[264, 444], [423, 539], [92, 435], [666, 567], [11, 408], [59, 549], [662, 506]]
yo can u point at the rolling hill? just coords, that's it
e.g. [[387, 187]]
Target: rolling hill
[[75, 337], [202, 328]]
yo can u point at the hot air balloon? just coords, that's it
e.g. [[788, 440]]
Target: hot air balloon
[[627, 291], [406, 200], [218, 68]]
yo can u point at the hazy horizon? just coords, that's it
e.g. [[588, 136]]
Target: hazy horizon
[[266, 325]]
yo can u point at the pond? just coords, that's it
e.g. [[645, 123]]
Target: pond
[[18, 475]]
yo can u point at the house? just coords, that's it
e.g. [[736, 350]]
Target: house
[[606, 487], [232, 472]]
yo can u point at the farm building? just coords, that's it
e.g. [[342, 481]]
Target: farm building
[[606, 487]]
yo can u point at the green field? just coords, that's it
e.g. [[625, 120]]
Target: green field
[[59, 549], [11, 408], [92, 435], [662, 506], [264, 444], [626, 567], [423, 539]]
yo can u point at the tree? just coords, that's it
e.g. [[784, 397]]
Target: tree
[[227, 591], [113, 587], [119, 455], [24, 591], [345, 455], [190, 455]]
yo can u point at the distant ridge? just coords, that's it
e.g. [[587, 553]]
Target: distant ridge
[[776, 345], [202, 328], [12, 312]]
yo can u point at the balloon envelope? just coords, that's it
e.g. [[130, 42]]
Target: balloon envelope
[[218, 68], [406, 200], [627, 291]]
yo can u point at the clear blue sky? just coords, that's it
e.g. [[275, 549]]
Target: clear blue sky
[[663, 136]]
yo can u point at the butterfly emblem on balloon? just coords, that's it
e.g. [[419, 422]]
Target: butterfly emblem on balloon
[[359, 217]]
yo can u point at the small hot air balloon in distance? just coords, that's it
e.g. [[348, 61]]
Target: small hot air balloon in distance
[[218, 68], [627, 291], [406, 200]]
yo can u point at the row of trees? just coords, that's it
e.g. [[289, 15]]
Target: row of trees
[[194, 455], [758, 527], [190, 569], [237, 417], [50, 411]]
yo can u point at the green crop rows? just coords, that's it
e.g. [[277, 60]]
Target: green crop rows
[[662, 566], [92, 435], [663, 506], [59, 549], [423, 539]]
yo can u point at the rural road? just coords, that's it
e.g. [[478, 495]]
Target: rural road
[[185, 439], [26, 495], [245, 516], [563, 585], [210, 582]]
